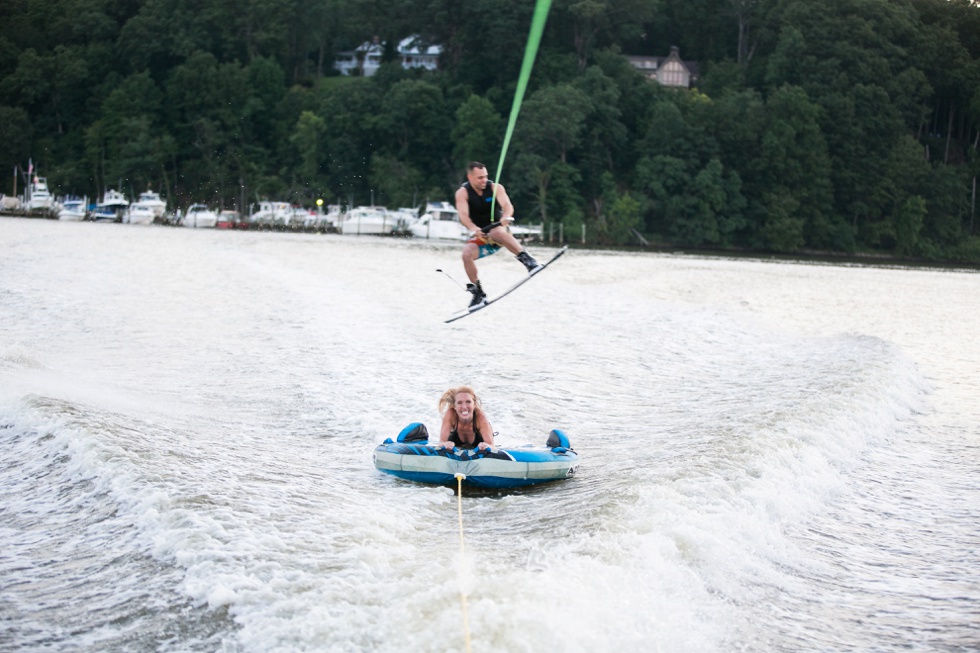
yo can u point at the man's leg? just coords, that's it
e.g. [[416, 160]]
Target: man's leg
[[502, 236], [471, 252]]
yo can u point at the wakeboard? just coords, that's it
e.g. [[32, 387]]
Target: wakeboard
[[469, 311]]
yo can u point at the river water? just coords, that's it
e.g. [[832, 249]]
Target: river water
[[776, 456]]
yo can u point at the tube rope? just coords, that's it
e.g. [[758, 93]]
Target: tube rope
[[538, 21]]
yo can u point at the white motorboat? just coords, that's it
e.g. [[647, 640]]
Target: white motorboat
[[330, 220], [140, 214], [73, 210], [404, 217], [39, 196], [272, 214], [524, 234], [440, 221], [152, 200], [368, 220], [111, 208], [301, 217], [201, 217], [9, 204]]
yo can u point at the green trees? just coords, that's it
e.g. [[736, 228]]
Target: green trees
[[694, 199], [794, 168], [308, 141], [128, 142], [478, 128], [839, 125], [15, 134]]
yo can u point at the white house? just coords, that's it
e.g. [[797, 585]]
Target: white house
[[366, 58]]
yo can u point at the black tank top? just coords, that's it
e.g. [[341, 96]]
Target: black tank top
[[480, 205]]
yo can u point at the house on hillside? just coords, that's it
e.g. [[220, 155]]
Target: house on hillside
[[671, 71], [365, 59]]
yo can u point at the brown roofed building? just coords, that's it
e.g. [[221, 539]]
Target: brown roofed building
[[670, 71]]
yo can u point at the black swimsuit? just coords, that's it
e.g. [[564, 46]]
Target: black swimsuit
[[477, 438]]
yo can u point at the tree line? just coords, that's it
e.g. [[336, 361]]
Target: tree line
[[830, 125]]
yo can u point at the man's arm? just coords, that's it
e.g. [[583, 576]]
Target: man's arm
[[463, 209], [503, 201]]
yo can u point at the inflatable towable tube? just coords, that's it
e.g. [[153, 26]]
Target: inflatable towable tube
[[411, 457]]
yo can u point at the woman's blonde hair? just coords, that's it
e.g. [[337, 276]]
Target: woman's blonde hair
[[448, 399]]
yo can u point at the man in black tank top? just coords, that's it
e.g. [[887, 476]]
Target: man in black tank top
[[474, 201]]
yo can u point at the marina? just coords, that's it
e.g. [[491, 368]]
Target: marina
[[432, 221], [436, 220]]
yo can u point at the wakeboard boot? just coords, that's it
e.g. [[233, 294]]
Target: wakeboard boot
[[529, 262], [479, 297]]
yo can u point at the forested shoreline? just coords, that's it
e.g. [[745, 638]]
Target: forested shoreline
[[847, 126]]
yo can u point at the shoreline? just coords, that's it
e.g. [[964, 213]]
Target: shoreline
[[867, 259], [881, 260]]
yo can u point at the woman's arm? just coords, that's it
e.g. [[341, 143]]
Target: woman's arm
[[486, 431], [447, 426]]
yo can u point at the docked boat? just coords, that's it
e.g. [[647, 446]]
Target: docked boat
[[73, 209], [329, 221], [411, 457], [149, 204], [525, 234], [9, 204], [440, 221], [139, 214], [272, 214], [230, 219], [200, 216], [112, 207], [365, 220], [39, 195], [302, 218], [404, 218]]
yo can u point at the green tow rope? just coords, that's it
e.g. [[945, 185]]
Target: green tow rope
[[541, 10]]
